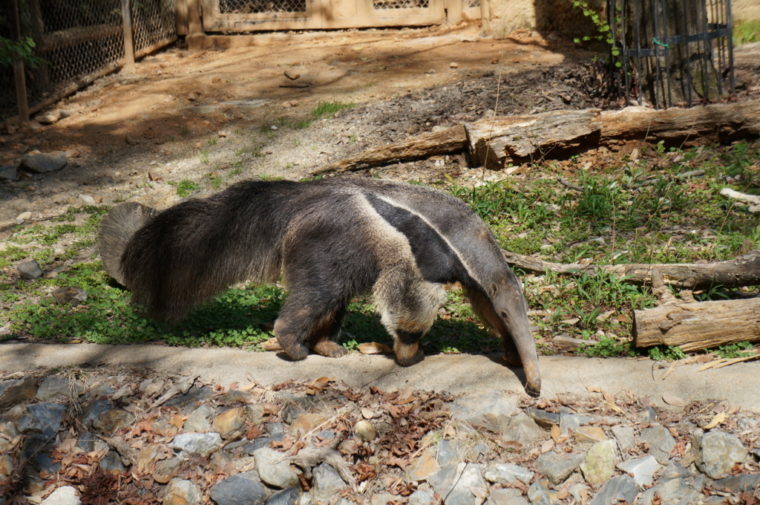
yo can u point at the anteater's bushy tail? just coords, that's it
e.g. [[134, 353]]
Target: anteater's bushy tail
[[115, 231], [194, 250]]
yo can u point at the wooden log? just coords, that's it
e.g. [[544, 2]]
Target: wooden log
[[699, 325], [719, 121], [493, 142], [742, 271], [449, 140]]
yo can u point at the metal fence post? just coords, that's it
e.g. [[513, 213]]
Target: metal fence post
[[129, 49], [19, 71]]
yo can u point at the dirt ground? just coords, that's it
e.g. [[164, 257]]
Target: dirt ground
[[215, 117]]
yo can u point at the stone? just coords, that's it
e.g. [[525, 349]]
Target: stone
[[739, 483], [29, 270], [599, 464], [558, 467], [239, 489], [49, 117], [288, 496], [326, 481], [421, 497], [8, 173], [521, 428], [229, 422], [24, 216], [69, 295], [423, 466], [13, 392], [113, 420], [542, 417], [615, 490], [191, 398], [40, 163], [45, 418], [673, 492], [444, 479], [111, 462], [201, 444], [181, 492], [660, 441], [507, 473], [539, 495], [506, 496], [718, 453], [624, 435], [274, 468], [675, 470], [448, 452], [198, 420], [95, 409], [365, 430], [43, 461], [569, 420], [87, 199], [468, 487], [381, 499], [57, 388], [307, 422], [6, 467], [485, 407], [589, 434], [166, 470], [65, 495], [641, 469]]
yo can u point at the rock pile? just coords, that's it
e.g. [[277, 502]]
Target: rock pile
[[124, 436]]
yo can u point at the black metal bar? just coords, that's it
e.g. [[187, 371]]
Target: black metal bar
[[19, 71]]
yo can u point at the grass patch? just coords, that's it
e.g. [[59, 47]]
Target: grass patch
[[329, 109], [746, 31], [185, 187]]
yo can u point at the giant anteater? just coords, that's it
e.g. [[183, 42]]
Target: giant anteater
[[332, 239]]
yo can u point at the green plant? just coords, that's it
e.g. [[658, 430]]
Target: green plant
[[746, 31], [21, 50], [329, 109], [666, 353], [607, 348], [603, 31], [185, 188], [737, 350]]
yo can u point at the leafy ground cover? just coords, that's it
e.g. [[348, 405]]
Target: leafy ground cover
[[653, 204]]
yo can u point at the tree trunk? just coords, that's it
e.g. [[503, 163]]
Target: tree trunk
[[698, 325], [742, 271]]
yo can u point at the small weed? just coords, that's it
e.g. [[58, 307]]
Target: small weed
[[746, 31], [204, 157], [329, 109], [607, 348], [730, 351], [185, 188], [666, 353]]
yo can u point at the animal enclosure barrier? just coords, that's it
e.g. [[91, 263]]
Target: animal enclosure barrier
[[237, 16], [673, 52], [77, 41]]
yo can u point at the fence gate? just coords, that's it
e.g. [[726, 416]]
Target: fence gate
[[252, 15]]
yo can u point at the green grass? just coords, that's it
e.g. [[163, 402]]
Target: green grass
[[746, 31], [638, 211], [329, 109]]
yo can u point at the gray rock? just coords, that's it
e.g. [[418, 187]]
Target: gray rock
[[569, 420], [485, 407], [624, 435], [521, 428], [240, 489], [542, 417], [274, 468], [43, 461], [111, 462], [29, 270], [599, 464], [739, 483], [58, 388], [113, 420], [40, 163], [65, 495], [166, 470], [469, 485], [94, 409], [719, 452], [558, 467], [285, 497], [49, 117], [45, 418], [326, 481], [507, 473], [381, 499], [8, 173], [69, 295], [182, 492], [641, 469], [421, 497], [505, 496], [197, 443], [660, 441], [674, 492], [675, 470], [620, 488], [448, 452], [539, 495], [444, 479], [13, 392], [199, 420]]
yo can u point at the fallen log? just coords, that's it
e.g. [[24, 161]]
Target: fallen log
[[450, 140], [742, 271], [494, 142], [698, 325]]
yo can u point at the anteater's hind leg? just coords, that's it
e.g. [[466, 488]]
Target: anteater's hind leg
[[312, 324]]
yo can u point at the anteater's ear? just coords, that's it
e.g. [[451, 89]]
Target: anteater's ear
[[115, 231]]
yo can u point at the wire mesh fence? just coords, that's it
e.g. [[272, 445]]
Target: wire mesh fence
[[77, 41], [674, 52]]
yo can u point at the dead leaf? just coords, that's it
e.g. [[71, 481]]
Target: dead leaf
[[374, 348], [719, 419], [547, 446], [556, 433]]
